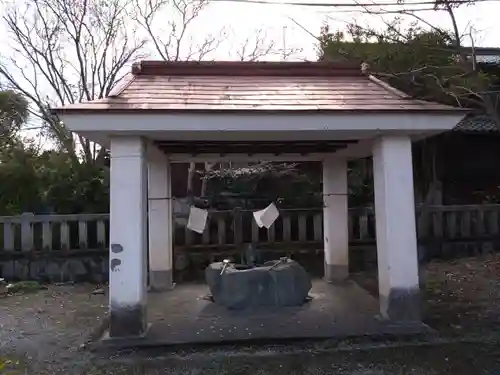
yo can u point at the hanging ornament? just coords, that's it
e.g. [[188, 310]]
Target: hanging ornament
[[197, 219], [267, 216]]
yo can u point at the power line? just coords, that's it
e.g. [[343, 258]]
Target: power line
[[382, 11], [354, 5]]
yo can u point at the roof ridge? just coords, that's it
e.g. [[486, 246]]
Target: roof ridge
[[389, 88], [122, 85], [246, 68]]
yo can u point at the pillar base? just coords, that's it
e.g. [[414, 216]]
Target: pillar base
[[422, 278], [335, 272], [161, 281], [401, 305], [127, 320]]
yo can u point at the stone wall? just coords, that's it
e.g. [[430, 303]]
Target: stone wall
[[190, 266], [90, 268]]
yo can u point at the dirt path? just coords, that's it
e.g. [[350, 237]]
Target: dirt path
[[44, 332]]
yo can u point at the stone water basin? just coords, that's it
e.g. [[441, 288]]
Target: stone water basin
[[277, 283]]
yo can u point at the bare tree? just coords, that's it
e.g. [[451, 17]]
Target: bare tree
[[259, 46], [467, 84], [67, 51], [439, 5], [256, 47], [171, 39], [423, 60]]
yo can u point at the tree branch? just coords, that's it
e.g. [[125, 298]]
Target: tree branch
[[72, 51]]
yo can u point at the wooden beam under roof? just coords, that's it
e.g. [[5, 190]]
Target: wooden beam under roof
[[251, 148]]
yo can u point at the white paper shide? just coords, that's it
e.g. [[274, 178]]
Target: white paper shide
[[197, 219], [267, 216]]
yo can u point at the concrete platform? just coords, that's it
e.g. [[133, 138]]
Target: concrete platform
[[185, 316]]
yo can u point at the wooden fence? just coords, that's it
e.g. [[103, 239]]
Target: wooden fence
[[295, 228]]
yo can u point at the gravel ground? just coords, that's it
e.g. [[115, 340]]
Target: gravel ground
[[447, 359], [47, 328], [44, 332], [463, 296]]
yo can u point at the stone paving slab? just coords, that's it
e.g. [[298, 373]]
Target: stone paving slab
[[185, 316]]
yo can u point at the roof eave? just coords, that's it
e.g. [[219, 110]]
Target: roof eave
[[66, 111]]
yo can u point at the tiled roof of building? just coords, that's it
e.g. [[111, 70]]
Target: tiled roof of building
[[478, 124], [253, 86]]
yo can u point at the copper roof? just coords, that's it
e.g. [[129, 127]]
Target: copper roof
[[252, 86]]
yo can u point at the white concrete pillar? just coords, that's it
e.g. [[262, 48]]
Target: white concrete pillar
[[128, 238], [396, 228], [159, 220], [335, 216]]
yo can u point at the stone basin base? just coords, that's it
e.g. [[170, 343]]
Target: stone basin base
[[275, 283]]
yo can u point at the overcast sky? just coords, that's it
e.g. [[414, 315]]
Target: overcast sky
[[243, 19], [276, 20], [280, 24]]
